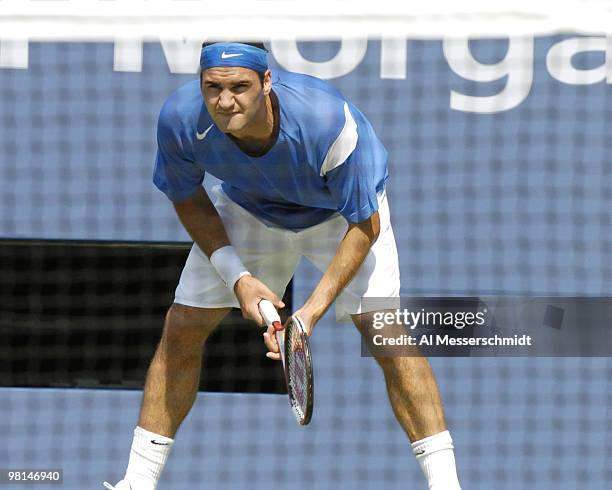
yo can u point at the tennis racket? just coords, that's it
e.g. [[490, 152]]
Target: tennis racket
[[297, 360]]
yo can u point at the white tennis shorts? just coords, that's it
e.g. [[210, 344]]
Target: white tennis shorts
[[272, 254]]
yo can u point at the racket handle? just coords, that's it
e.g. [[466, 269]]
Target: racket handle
[[270, 315]]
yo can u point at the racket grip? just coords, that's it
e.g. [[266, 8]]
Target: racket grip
[[270, 315]]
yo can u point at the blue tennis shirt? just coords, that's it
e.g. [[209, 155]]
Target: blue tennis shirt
[[326, 159]]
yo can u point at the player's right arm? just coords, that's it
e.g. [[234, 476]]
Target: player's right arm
[[180, 178], [201, 220]]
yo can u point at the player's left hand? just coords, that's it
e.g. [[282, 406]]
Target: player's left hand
[[270, 337], [308, 318]]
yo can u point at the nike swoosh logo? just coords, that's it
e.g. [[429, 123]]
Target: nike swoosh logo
[[418, 453], [225, 55], [153, 441], [201, 136], [110, 487]]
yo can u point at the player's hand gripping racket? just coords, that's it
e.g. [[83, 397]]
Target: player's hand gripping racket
[[294, 349]]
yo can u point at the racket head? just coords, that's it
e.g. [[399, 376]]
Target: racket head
[[298, 370]]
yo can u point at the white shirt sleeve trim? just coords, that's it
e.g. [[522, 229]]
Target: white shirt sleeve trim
[[344, 144]]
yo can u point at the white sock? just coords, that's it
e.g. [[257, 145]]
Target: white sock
[[437, 459], [147, 459]]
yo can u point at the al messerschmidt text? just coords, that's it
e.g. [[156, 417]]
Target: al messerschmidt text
[[438, 339]]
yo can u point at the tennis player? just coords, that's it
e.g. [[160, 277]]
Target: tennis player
[[303, 175]]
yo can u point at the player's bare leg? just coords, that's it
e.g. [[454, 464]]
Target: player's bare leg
[[174, 374], [415, 399], [170, 390], [413, 392]]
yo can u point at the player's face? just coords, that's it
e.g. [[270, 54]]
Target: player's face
[[234, 97]]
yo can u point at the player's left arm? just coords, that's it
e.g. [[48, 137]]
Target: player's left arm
[[349, 256], [351, 253]]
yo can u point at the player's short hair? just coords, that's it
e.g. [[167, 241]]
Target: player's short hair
[[255, 45], [259, 45]]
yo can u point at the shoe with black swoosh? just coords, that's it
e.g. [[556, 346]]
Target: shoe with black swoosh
[[122, 485]]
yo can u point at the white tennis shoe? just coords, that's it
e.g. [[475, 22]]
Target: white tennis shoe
[[122, 485]]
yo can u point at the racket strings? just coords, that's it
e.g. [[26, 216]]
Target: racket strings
[[296, 363]]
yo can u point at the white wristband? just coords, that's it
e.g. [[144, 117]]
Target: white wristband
[[228, 265]]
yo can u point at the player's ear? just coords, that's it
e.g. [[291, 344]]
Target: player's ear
[[267, 82]]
